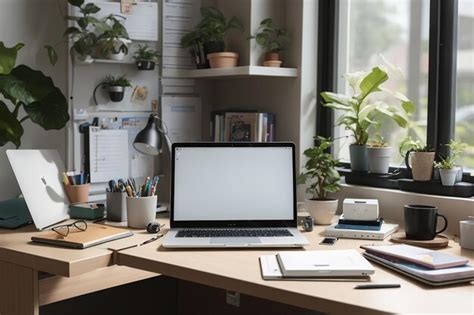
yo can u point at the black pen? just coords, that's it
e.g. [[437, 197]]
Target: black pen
[[376, 286]]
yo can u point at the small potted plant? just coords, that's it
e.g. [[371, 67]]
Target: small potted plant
[[321, 175], [419, 159], [146, 57], [82, 36], [379, 154], [113, 40], [360, 112], [116, 86], [273, 40], [207, 40], [448, 170]]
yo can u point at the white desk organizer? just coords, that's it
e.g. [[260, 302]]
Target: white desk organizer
[[360, 209]]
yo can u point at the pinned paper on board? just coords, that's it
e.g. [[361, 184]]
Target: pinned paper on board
[[139, 95], [126, 6]]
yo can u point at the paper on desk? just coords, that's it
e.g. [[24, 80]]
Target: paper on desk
[[182, 115], [141, 165], [108, 150]]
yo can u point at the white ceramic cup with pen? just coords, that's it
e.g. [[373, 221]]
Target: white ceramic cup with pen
[[141, 202]]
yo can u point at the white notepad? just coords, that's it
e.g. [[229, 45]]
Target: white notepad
[[385, 230]]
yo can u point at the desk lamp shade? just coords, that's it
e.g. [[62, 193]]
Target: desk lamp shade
[[148, 141]]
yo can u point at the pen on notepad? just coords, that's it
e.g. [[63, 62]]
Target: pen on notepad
[[377, 286]]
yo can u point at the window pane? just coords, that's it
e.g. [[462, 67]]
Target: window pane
[[397, 31], [465, 81]]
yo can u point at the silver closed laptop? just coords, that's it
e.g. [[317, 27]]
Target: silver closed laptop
[[233, 195]]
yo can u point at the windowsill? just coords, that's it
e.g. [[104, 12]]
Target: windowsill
[[391, 203]]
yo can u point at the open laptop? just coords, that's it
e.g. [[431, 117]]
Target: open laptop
[[38, 173], [233, 195]]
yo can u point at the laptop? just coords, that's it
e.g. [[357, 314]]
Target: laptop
[[233, 195], [38, 175]]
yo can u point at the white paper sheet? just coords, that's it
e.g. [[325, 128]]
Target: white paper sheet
[[182, 116]]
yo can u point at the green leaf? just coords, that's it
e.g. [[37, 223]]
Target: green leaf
[[408, 107], [372, 82], [76, 3], [400, 120], [52, 54], [42, 100], [10, 128], [90, 8], [71, 30], [8, 57], [330, 97], [354, 79], [337, 106], [365, 111]]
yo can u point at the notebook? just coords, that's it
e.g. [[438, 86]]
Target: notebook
[[421, 256], [384, 231], [316, 264], [434, 277], [94, 235]]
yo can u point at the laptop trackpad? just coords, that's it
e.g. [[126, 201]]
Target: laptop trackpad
[[235, 240]]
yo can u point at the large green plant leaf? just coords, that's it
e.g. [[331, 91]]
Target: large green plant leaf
[[8, 57], [10, 128], [43, 101], [371, 82], [330, 97]]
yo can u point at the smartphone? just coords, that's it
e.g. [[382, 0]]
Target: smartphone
[[328, 241]]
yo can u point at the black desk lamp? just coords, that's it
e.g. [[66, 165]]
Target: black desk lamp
[[149, 141]]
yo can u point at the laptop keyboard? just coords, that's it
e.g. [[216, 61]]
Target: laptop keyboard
[[233, 233]]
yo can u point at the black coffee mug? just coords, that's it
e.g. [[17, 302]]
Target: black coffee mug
[[421, 221]]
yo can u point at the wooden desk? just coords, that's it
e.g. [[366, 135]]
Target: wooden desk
[[24, 286], [239, 270]]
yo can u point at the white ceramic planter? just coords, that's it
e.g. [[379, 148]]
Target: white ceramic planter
[[379, 159], [448, 176], [83, 60], [322, 211]]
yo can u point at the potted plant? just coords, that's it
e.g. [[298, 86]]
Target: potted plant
[[419, 159], [379, 154], [207, 40], [273, 40], [448, 170], [27, 91], [323, 179], [115, 87], [113, 40], [360, 112], [146, 57], [82, 36]]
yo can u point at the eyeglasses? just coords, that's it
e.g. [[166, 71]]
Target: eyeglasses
[[63, 230]]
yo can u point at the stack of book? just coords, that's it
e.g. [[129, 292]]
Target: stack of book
[[235, 126], [373, 225], [425, 265]]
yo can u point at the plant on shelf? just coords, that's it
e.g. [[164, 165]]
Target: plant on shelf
[[419, 158], [448, 169], [321, 175], [31, 91], [113, 40], [115, 86], [82, 35], [273, 40], [379, 153], [146, 57], [207, 40], [360, 112]]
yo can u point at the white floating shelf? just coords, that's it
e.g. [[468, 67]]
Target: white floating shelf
[[234, 72], [125, 62]]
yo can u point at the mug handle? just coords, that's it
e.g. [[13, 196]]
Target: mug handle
[[407, 160], [445, 223]]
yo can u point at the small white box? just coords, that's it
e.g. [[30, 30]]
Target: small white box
[[360, 209], [467, 234]]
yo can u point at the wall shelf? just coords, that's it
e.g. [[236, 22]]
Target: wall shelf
[[125, 62], [234, 72]]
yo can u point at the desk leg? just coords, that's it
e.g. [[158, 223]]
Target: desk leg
[[18, 290]]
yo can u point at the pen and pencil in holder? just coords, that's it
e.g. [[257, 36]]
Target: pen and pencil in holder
[[132, 203], [77, 186]]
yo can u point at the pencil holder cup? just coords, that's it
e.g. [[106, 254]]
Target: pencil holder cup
[[77, 193], [116, 206], [141, 211]]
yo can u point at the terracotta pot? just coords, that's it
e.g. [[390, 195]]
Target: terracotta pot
[[223, 59], [77, 193], [272, 56], [272, 63], [322, 211], [421, 165]]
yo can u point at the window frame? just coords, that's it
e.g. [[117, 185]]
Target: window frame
[[443, 21]]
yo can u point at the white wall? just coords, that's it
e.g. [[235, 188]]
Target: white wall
[[34, 23]]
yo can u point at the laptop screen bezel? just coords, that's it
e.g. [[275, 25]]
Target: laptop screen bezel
[[232, 223]]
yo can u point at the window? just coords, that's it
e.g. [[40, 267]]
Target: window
[[464, 129], [431, 41], [396, 31]]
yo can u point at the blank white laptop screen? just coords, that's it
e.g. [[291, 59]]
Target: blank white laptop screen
[[233, 183]]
